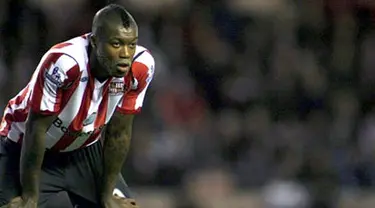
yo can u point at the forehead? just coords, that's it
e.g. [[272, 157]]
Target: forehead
[[120, 31]]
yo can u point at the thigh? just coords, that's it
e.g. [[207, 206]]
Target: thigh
[[51, 184], [60, 200], [81, 202], [84, 172], [10, 186], [52, 178]]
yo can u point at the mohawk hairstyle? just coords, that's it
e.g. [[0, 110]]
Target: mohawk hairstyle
[[111, 13]]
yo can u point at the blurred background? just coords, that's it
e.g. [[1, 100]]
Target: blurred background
[[255, 103]]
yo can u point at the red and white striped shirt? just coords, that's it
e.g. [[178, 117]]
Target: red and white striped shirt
[[63, 85]]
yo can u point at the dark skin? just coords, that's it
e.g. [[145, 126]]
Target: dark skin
[[116, 145], [32, 155], [113, 47], [117, 45], [111, 56]]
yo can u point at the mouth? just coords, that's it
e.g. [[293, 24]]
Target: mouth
[[123, 67]]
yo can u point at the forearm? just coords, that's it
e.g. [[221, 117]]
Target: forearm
[[32, 154], [115, 150]]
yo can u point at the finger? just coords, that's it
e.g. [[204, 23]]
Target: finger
[[119, 197], [17, 198], [131, 202], [123, 203], [13, 205]]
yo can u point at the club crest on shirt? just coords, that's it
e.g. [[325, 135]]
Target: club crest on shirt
[[55, 77], [116, 88]]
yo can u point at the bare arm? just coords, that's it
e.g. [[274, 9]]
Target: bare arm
[[54, 72], [32, 154], [116, 146]]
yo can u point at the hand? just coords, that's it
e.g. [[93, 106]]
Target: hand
[[120, 202], [18, 202]]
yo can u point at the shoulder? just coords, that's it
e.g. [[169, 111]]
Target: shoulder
[[75, 48], [143, 62], [66, 59], [58, 67]]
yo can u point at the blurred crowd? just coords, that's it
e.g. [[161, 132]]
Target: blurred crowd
[[272, 99]]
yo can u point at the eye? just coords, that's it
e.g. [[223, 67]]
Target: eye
[[133, 45], [115, 45]]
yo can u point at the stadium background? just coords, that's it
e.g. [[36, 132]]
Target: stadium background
[[255, 103]]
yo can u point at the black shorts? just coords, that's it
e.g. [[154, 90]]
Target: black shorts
[[77, 173]]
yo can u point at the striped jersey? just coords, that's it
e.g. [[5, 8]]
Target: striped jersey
[[62, 85]]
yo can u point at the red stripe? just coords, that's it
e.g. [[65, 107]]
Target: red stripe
[[6, 119], [19, 99], [57, 105], [124, 111], [128, 81], [92, 138], [77, 124], [37, 96], [102, 111], [61, 45], [73, 81], [20, 138], [140, 71], [100, 119], [19, 115]]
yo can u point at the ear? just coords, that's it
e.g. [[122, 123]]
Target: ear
[[93, 41]]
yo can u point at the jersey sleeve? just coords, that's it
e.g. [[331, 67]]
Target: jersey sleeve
[[143, 71], [55, 72]]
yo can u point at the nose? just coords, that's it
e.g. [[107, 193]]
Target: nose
[[124, 52]]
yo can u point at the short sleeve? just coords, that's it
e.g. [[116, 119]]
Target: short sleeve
[[55, 72], [143, 71]]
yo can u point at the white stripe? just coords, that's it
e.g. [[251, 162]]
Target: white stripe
[[64, 63], [4, 123], [146, 59], [141, 97], [17, 128], [68, 114], [113, 101], [97, 97]]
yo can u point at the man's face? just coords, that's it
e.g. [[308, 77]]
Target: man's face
[[116, 48]]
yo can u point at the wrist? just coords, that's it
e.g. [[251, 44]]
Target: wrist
[[30, 192], [29, 197], [105, 199]]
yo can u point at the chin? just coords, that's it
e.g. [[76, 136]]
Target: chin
[[119, 75]]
